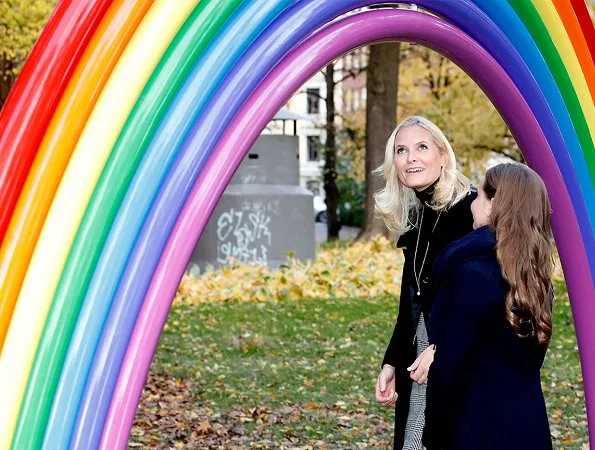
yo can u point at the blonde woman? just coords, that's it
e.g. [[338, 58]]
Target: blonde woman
[[427, 201]]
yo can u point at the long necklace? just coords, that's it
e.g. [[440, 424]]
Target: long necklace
[[416, 276]]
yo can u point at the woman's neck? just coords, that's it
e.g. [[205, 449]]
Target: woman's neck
[[425, 195]]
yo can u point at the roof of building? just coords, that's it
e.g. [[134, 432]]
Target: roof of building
[[285, 114]]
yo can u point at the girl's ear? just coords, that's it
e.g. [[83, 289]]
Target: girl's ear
[[488, 209]]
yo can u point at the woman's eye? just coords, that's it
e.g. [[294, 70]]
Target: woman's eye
[[423, 147], [400, 151]]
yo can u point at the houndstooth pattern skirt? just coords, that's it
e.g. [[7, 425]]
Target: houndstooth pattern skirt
[[417, 406]]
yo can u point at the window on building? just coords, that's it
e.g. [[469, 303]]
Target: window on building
[[313, 98], [348, 101], [356, 99], [349, 61], [356, 64], [365, 56], [314, 146]]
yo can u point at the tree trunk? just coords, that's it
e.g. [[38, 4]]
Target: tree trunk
[[382, 84], [6, 79], [330, 158]]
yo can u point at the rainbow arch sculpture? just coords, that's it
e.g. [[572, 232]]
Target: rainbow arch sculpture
[[127, 123]]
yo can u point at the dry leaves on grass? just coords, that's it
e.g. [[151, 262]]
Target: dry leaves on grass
[[371, 269], [171, 415]]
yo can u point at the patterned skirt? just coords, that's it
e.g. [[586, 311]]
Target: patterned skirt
[[417, 406]]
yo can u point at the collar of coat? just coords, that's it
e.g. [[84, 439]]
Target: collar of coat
[[479, 244]]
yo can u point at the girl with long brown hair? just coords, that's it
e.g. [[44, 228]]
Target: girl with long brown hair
[[492, 322]]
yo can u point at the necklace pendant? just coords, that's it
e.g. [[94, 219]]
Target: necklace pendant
[[418, 293]]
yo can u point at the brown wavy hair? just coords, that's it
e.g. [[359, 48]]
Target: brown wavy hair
[[521, 217]]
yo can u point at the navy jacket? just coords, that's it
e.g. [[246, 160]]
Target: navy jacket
[[484, 390]]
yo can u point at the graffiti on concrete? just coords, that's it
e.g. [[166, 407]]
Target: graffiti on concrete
[[252, 178], [244, 233]]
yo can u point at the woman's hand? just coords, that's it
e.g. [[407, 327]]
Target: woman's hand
[[421, 366], [386, 393]]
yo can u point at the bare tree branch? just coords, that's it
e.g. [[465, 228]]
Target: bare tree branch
[[314, 94], [351, 74]]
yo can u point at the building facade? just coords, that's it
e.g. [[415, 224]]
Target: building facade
[[310, 101]]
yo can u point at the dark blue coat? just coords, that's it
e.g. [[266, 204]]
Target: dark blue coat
[[484, 390]]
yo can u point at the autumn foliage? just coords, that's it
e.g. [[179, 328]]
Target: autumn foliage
[[371, 269], [21, 22]]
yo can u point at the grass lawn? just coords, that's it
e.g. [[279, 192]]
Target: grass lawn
[[301, 374]]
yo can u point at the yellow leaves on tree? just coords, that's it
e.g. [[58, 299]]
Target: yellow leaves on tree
[[21, 22], [433, 86], [363, 270]]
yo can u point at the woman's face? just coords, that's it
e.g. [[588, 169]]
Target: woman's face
[[418, 159], [481, 209]]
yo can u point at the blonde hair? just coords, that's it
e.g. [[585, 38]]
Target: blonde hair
[[396, 203]]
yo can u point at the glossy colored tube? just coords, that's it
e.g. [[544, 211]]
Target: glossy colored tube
[[38, 89]]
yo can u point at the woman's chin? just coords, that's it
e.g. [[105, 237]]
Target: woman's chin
[[419, 185], [418, 181]]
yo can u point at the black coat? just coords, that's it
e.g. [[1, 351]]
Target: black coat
[[484, 390], [452, 225]]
